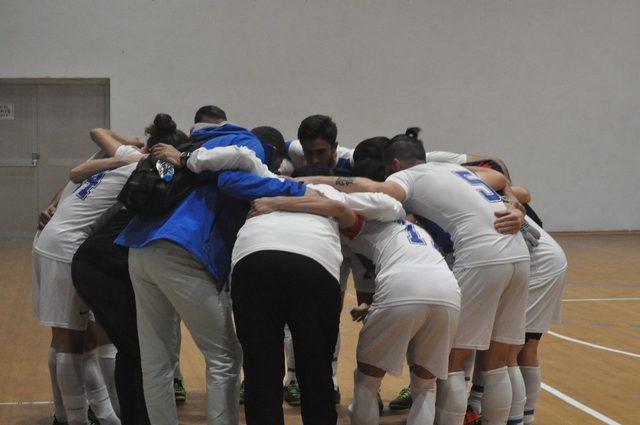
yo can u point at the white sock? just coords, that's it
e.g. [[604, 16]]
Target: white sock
[[334, 363], [364, 408], [496, 400], [518, 396], [532, 382], [69, 374], [107, 359], [97, 393], [423, 393], [475, 395], [61, 415], [291, 359], [451, 399]]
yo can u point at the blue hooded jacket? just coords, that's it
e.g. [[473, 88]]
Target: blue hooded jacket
[[207, 221]]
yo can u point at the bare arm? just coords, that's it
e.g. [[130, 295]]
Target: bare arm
[[499, 161], [83, 171], [47, 213], [306, 204], [358, 184], [109, 142]]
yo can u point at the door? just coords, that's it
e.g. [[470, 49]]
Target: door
[[47, 134]]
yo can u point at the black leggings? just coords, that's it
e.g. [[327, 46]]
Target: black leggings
[[270, 289]]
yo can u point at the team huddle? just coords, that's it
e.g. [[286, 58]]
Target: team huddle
[[249, 240]]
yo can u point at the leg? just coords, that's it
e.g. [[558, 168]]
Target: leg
[[518, 399], [107, 359], [451, 399], [364, 408], [423, 392], [530, 369], [497, 396], [68, 345]]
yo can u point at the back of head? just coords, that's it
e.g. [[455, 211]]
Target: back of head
[[405, 147], [318, 127], [368, 159], [210, 114], [311, 170], [165, 130], [270, 136]]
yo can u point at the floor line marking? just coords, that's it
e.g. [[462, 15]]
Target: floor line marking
[[578, 300], [575, 403], [24, 403], [589, 344]]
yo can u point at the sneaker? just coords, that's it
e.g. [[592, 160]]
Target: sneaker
[[242, 393], [57, 422], [292, 394], [403, 401], [179, 391], [471, 417], [380, 404], [336, 395]]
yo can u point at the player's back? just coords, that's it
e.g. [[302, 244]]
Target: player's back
[[459, 202]]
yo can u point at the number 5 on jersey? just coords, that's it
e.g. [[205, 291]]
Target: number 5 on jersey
[[481, 187]]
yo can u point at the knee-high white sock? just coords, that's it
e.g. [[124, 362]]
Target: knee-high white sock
[[496, 400], [74, 397], [518, 396], [364, 408], [61, 415], [532, 382], [334, 363], [97, 393], [291, 358], [451, 400], [475, 395], [423, 393], [107, 359]]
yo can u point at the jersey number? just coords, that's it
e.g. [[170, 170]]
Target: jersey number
[[488, 193], [88, 185]]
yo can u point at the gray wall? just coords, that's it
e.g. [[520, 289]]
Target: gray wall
[[551, 86]]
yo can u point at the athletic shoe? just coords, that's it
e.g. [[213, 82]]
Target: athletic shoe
[[380, 404], [403, 401], [57, 422], [242, 393], [179, 391], [292, 394], [336, 395], [471, 417]]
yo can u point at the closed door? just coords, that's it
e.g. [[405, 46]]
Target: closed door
[[44, 137]]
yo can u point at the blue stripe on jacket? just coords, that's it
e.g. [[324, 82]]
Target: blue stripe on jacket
[[207, 221]]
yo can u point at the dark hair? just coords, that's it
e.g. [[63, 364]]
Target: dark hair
[[368, 159], [406, 147], [318, 127], [311, 170], [210, 114], [270, 136], [164, 130]]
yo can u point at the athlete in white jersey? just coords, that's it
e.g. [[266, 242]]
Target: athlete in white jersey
[[491, 268]]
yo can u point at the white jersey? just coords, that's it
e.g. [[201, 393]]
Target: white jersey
[[548, 258], [79, 214], [343, 164], [408, 267], [461, 204], [443, 156]]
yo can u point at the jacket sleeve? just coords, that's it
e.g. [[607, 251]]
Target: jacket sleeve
[[247, 186]]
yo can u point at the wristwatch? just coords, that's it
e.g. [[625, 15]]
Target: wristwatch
[[184, 157]]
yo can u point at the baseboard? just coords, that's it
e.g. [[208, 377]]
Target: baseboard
[[597, 233]]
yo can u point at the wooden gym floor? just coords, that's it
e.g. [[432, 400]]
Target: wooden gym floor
[[590, 363]]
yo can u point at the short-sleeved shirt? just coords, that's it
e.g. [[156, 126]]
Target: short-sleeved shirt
[[460, 203], [548, 258]]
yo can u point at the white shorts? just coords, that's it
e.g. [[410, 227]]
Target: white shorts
[[494, 300], [55, 300], [421, 333], [544, 303]]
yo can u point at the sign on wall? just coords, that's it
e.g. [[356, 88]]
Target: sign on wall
[[6, 111]]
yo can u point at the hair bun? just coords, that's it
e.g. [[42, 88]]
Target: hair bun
[[412, 132], [164, 124]]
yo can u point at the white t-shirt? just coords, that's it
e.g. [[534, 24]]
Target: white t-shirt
[[443, 156], [458, 201], [311, 235], [548, 258], [409, 269], [80, 213]]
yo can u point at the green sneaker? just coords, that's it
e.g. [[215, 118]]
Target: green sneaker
[[403, 401], [179, 391], [292, 394], [242, 393]]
